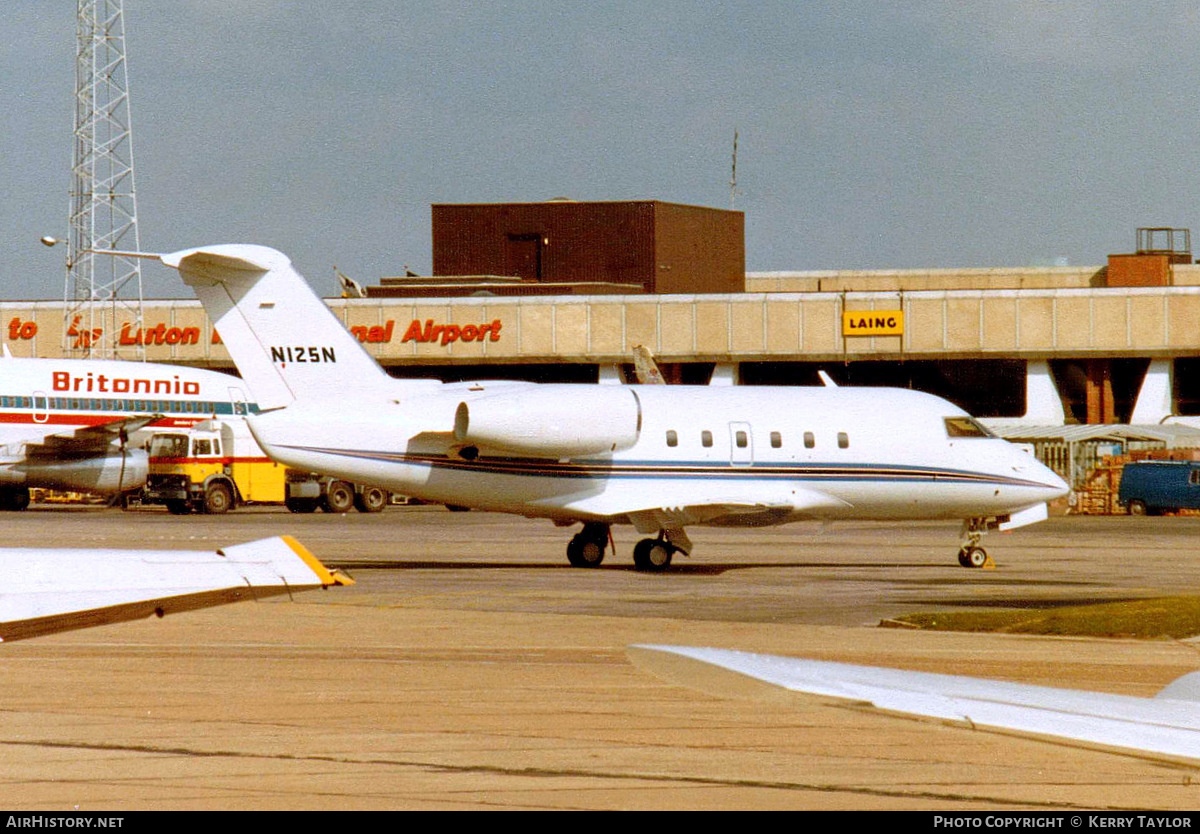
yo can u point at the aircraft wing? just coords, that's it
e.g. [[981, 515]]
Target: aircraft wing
[[1166, 726], [48, 590], [89, 440], [652, 505]]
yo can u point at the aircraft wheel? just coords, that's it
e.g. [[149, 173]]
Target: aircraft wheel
[[179, 507], [1137, 507], [585, 552], [972, 557], [218, 499], [339, 498], [370, 500], [652, 555]]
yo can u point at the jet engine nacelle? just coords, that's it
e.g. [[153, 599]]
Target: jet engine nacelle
[[105, 474], [558, 421]]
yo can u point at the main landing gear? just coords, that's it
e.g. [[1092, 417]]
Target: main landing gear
[[587, 548], [653, 554], [971, 555]]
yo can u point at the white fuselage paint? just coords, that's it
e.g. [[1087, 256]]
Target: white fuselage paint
[[897, 460]]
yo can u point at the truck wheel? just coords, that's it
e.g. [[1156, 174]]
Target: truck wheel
[[339, 498], [217, 499], [178, 507], [370, 500]]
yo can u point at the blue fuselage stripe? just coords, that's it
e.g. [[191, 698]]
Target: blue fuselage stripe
[[689, 470]]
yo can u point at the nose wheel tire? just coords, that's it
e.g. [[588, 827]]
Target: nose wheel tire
[[972, 557], [652, 555]]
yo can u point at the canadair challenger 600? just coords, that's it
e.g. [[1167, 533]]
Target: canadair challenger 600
[[66, 423], [658, 457]]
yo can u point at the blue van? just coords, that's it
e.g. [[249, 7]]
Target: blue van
[[1150, 487]]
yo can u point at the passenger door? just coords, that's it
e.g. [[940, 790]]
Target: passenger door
[[741, 444]]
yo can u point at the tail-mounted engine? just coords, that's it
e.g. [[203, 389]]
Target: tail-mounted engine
[[558, 421]]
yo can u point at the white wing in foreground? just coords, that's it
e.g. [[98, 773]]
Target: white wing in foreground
[[48, 590], [1166, 726]]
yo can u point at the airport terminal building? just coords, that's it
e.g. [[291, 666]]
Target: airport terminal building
[[564, 291]]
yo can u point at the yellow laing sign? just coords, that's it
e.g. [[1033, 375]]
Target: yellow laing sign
[[873, 323]]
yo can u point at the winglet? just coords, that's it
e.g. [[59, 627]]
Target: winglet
[[328, 577]]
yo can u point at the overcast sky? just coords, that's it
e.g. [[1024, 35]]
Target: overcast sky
[[873, 135]]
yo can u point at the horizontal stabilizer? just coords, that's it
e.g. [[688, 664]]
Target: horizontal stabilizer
[[47, 590]]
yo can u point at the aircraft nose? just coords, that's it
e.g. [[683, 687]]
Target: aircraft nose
[[1031, 468], [1055, 483]]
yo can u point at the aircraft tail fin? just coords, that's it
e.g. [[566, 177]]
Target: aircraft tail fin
[[285, 341]]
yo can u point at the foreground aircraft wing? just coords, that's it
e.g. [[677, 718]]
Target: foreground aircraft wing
[[89, 440], [1166, 726], [651, 504], [46, 590]]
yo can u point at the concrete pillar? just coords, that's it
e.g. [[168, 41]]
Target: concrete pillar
[[726, 373], [1043, 404], [1155, 399]]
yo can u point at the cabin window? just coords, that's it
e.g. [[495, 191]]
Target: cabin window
[[965, 427], [843, 440], [202, 448], [810, 440], [672, 438], [1194, 477], [741, 439], [216, 447], [776, 440], [706, 438]]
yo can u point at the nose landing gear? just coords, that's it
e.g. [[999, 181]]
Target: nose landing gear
[[971, 555]]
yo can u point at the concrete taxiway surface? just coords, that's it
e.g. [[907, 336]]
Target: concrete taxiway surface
[[471, 668]]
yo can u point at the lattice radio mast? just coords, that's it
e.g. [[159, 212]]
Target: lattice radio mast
[[102, 292]]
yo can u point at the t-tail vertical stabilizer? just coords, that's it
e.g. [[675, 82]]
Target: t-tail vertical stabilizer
[[286, 342]]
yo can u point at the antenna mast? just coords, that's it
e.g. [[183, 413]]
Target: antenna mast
[[733, 176], [101, 292]]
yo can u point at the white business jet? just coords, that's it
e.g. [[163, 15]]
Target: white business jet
[[659, 457], [1165, 727], [66, 423]]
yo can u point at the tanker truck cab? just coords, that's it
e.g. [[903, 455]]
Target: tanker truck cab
[[217, 465], [194, 469]]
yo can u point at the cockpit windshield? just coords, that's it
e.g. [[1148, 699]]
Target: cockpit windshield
[[965, 427]]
